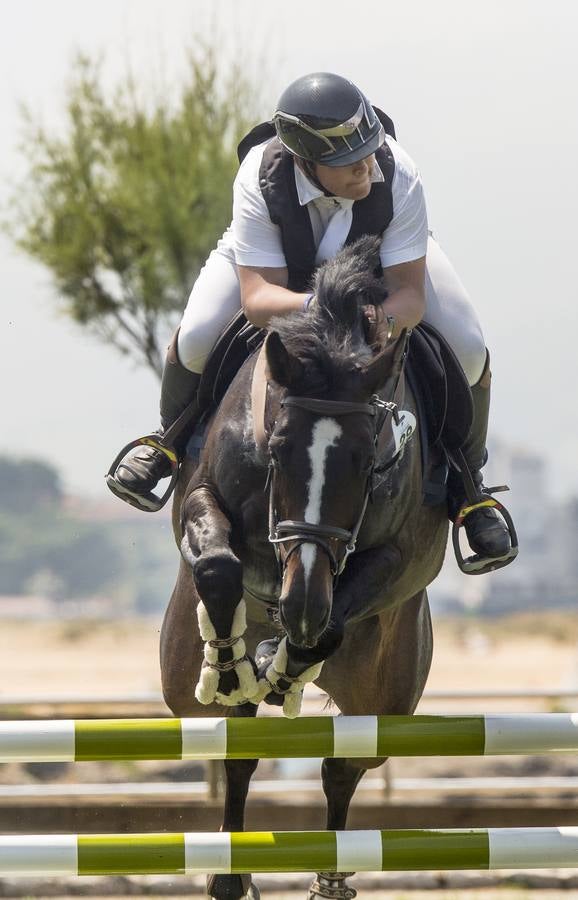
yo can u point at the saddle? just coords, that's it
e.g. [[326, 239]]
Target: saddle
[[445, 407], [437, 380], [233, 347]]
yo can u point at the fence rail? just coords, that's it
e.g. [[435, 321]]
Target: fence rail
[[68, 740], [288, 851]]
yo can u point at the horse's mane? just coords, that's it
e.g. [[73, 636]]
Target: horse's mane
[[330, 338]]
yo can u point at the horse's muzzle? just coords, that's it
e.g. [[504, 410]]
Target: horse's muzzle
[[305, 619]]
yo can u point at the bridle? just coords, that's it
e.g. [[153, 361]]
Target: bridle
[[290, 530]]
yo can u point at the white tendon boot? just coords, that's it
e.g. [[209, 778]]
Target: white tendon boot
[[276, 672], [207, 690]]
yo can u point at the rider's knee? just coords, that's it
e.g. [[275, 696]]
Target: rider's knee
[[472, 355], [193, 349]]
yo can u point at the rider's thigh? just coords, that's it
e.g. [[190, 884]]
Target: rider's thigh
[[214, 300], [449, 309]]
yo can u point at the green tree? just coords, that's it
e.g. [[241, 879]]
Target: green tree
[[28, 484], [125, 207], [40, 543]]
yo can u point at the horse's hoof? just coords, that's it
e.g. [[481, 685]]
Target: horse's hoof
[[274, 699], [264, 655], [231, 887], [331, 885]]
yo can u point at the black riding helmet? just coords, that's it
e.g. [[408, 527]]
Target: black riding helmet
[[323, 118]]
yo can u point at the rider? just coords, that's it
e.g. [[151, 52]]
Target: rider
[[330, 169]]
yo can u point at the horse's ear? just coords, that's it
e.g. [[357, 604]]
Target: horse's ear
[[284, 368], [386, 364]]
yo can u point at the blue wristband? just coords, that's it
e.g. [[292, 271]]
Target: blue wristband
[[307, 302]]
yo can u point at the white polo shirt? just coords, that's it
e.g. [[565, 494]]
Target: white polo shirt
[[253, 240]]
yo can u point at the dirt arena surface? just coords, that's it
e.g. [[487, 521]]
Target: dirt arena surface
[[523, 652], [456, 894], [83, 656], [517, 892]]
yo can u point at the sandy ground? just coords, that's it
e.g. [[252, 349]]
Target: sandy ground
[[515, 653], [525, 652], [454, 894], [91, 657]]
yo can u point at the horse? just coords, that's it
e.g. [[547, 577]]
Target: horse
[[306, 549]]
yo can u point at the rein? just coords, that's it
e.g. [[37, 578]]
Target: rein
[[300, 533]]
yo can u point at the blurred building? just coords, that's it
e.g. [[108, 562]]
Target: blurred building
[[545, 575]]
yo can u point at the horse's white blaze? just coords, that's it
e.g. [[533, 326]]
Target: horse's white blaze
[[308, 554], [326, 433]]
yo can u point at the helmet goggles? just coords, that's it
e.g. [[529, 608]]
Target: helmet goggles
[[330, 142]]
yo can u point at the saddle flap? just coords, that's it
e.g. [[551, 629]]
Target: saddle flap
[[426, 373], [443, 387], [233, 347]]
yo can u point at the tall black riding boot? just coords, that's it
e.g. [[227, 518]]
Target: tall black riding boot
[[139, 473], [486, 532]]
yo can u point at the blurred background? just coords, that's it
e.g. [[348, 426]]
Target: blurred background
[[119, 123], [110, 116]]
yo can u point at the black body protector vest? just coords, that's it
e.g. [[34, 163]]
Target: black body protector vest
[[371, 215]]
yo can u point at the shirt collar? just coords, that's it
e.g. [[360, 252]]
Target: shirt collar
[[307, 191]]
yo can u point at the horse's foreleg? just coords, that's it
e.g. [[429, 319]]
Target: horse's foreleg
[[227, 675], [238, 773], [284, 669]]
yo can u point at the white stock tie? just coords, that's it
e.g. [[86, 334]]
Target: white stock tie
[[336, 232]]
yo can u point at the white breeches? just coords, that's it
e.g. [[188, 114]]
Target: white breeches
[[216, 297]]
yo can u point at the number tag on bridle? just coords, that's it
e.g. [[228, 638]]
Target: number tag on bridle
[[403, 429]]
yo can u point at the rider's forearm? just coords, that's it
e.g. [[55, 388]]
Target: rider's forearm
[[407, 306], [271, 300]]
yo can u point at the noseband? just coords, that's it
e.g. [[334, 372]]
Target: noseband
[[321, 535]]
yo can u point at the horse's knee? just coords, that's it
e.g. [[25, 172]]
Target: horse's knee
[[218, 574]]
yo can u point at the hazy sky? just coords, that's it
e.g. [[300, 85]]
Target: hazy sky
[[484, 97]]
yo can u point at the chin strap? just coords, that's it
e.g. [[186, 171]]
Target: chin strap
[[308, 168]]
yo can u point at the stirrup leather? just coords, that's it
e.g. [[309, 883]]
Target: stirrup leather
[[148, 502]]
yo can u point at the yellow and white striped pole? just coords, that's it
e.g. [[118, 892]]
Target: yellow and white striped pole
[[274, 738], [288, 851]]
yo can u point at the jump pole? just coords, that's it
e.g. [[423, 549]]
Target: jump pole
[[288, 851], [274, 738]]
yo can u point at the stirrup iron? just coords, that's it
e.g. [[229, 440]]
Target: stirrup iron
[[149, 502], [479, 565]]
